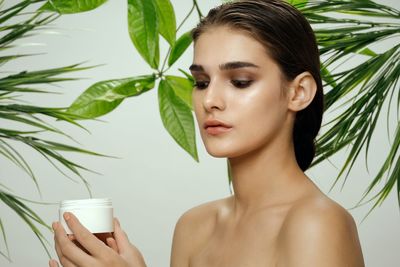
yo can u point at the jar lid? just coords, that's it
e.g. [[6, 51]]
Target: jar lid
[[86, 203]]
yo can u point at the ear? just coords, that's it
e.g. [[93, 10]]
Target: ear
[[301, 91]]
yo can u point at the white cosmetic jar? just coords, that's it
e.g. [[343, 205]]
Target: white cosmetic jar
[[95, 214]]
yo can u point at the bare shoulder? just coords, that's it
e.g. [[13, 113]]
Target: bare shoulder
[[319, 232], [318, 211], [193, 229]]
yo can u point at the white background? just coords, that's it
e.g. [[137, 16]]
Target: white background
[[154, 181]]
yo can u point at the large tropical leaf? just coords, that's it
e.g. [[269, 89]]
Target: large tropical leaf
[[71, 6], [177, 118], [103, 97], [167, 21], [143, 29], [179, 47], [182, 88]]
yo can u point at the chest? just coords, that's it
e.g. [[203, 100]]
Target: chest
[[251, 243]]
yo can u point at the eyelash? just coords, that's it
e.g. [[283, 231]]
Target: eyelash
[[241, 84], [201, 84]]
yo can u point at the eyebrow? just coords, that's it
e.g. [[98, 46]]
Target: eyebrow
[[225, 66]]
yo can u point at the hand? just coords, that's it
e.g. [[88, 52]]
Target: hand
[[118, 253]]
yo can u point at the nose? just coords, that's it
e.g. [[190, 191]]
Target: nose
[[214, 97]]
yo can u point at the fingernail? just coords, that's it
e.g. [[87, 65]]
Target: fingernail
[[52, 263], [66, 216], [54, 225]]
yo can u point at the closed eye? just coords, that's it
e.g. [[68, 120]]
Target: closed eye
[[241, 83]]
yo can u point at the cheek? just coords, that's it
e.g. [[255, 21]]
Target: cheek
[[197, 104], [261, 115], [259, 105]]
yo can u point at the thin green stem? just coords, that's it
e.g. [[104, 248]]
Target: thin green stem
[[186, 18], [160, 73], [198, 9], [164, 62]]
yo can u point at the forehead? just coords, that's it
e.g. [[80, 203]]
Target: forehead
[[223, 44]]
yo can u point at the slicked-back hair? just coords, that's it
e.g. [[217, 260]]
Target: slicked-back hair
[[290, 41]]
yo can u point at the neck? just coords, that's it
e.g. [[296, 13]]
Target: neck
[[267, 177]]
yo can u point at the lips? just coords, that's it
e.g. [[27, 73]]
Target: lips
[[216, 127]]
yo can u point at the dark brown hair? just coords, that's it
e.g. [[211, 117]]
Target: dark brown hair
[[290, 41]]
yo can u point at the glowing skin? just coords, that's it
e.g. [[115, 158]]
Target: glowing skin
[[277, 217], [238, 87]]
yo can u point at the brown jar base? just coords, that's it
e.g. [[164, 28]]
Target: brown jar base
[[101, 236]]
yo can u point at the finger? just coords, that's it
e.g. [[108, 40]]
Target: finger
[[66, 262], [53, 263], [112, 244], [63, 260], [85, 238], [69, 254], [121, 238], [60, 256], [58, 250]]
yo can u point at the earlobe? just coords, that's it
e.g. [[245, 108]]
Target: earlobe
[[302, 91]]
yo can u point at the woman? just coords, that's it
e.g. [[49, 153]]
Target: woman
[[258, 101]]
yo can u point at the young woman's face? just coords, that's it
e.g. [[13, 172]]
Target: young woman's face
[[238, 96]]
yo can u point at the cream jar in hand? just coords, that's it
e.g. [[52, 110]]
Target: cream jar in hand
[[95, 214]]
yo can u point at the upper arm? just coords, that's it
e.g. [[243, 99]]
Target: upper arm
[[191, 230], [180, 250], [320, 236]]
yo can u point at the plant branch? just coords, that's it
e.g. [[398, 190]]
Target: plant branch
[[198, 9], [177, 29]]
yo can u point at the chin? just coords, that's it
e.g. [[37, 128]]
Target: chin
[[224, 152], [217, 152]]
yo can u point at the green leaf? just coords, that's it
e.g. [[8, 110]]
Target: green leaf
[[230, 176], [367, 52], [187, 75], [182, 88], [179, 47], [104, 96], [30, 119], [298, 3], [177, 118], [14, 156], [27, 215], [3, 232], [327, 76], [71, 6], [143, 29], [44, 76], [167, 21]]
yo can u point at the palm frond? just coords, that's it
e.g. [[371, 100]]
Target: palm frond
[[361, 90], [357, 7], [27, 215], [5, 254], [31, 118], [47, 76]]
